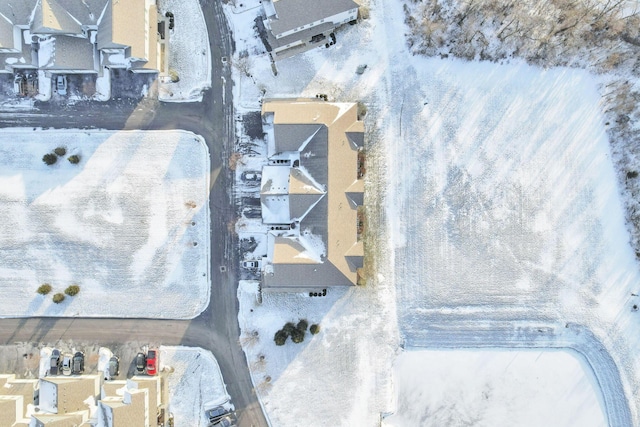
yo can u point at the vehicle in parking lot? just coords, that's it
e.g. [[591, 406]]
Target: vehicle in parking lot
[[152, 362], [77, 366], [61, 84], [251, 177], [55, 362], [226, 421], [141, 361], [114, 367], [215, 414], [66, 364], [252, 264]]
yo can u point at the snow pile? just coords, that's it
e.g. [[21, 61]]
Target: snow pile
[[189, 52], [524, 388], [129, 224], [45, 362], [104, 354], [194, 382], [491, 198]]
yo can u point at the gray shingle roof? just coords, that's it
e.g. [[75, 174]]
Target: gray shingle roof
[[293, 14]]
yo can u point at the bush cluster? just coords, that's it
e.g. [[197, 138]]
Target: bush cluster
[[51, 158], [296, 332], [72, 290], [44, 289]]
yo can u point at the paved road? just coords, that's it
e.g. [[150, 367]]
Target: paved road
[[216, 329]]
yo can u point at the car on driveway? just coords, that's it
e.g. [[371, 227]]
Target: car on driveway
[[77, 366], [61, 84], [20, 84], [253, 264], [141, 361], [113, 367], [251, 177], [66, 364], [55, 362], [152, 362]]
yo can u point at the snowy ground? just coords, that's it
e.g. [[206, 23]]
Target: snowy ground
[[331, 378], [492, 203], [195, 384], [485, 388], [131, 218], [189, 52]]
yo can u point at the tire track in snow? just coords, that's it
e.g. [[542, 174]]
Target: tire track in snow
[[454, 335]]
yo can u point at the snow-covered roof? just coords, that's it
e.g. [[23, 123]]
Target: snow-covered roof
[[320, 192], [63, 395], [292, 14]]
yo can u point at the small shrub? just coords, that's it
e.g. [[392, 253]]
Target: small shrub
[[58, 298], [75, 159], [302, 325], [632, 174], [72, 290], [314, 329], [288, 328], [44, 289], [297, 336], [280, 337], [60, 151], [49, 158]]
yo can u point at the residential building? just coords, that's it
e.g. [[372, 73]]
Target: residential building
[[296, 26], [138, 401], [82, 37], [311, 193]]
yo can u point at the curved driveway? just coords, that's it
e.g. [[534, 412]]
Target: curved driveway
[[216, 329], [473, 334]]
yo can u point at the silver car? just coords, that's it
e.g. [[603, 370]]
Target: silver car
[[66, 364], [61, 84]]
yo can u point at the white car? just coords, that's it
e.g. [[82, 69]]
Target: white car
[[61, 84], [66, 364]]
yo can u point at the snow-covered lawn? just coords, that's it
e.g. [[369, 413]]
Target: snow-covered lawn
[[492, 202], [189, 52], [337, 377], [195, 384], [129, 224], [492, 388]]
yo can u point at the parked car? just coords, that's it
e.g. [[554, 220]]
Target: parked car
[[113, 367], [253, 264], [224, 422], [251, 177], [61, 84], [141, 361], [19, 84], [77, 366], [66, 364], [55, 362], [152, 362], [215, 414]]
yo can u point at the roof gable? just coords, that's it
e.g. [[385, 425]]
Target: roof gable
[[52, 18]]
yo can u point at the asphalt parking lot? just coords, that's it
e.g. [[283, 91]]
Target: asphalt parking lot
[[23, 359]]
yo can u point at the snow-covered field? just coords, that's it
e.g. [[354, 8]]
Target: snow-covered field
[[485, 388], [189, 52], [129, 224], [195, 384], [493, 206]]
